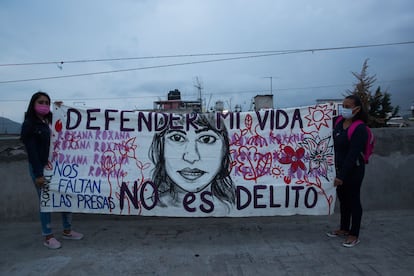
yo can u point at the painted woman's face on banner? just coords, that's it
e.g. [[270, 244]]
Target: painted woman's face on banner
[[193, 157]]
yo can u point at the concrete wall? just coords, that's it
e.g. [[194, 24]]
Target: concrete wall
[[389, 177], [388, 183]]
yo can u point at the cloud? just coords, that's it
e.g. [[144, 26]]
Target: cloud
[[79, 30]]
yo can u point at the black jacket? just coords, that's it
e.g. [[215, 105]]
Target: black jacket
[[348, 153], [35, 135]]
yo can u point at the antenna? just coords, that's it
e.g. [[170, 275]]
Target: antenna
[[199, 87]]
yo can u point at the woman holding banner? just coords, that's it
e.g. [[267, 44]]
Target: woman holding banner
[[35, 134], [350, 168], [193, 162]]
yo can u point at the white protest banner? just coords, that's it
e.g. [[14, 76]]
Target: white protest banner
[[266, 163]]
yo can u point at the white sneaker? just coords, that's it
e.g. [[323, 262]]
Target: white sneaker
[[351, 244]]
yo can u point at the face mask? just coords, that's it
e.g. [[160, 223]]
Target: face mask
[[42, 109], [347, 113]]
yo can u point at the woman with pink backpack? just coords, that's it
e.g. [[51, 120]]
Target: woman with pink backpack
[[350, 142]]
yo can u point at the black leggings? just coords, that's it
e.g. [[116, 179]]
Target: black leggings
[[349, 195]]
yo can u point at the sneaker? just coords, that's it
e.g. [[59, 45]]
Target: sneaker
[[337, 233], [52, 243], [351, 243], [73, 235]]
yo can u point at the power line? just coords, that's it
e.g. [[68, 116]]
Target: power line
[[140, 68], [263, 54], [216, 93], [208, 54], [139, 58]]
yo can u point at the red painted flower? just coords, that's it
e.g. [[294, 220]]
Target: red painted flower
[[58, 126], [290, 156]]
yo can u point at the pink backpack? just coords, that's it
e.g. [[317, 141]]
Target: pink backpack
[[369, 147]]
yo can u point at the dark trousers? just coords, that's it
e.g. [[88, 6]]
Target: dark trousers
[[349, 195]]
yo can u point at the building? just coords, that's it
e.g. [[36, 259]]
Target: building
[[262, 102], [174, 104]]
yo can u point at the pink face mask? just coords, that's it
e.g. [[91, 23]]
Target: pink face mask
[[42, 109]]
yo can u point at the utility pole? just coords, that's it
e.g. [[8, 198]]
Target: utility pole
[[271, 84], [271, 87]]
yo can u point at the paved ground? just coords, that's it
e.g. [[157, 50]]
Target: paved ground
[[294, 245]]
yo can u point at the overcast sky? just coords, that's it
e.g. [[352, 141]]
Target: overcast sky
[[78, 30]]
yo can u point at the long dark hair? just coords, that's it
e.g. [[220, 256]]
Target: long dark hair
[[30, 114], [362, 113], [222, 185]]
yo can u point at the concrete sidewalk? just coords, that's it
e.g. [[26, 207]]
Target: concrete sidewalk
[[294, 245]]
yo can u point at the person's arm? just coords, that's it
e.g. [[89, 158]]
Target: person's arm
[[356, 148], [29, 140]]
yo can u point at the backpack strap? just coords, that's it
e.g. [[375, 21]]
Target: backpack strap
[[352, 128], [337, 120]]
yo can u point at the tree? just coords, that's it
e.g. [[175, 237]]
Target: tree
[[380, 108], [363, 88], [378, 105]]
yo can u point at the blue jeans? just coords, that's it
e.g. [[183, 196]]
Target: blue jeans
[[46, 217]]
